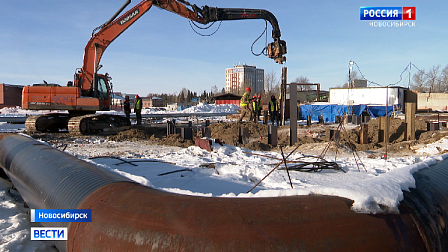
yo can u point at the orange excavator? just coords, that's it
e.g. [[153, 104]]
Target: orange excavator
[[91, 92]]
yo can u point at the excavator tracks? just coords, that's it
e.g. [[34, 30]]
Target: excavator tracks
[[86, 125], [97, 124], [46, 123]]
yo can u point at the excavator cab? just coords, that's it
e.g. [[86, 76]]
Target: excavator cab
[[102, 92]]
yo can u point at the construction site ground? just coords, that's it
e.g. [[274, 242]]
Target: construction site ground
[[312, 140]]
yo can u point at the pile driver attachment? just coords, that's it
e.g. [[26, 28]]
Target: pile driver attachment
[[276, 50]]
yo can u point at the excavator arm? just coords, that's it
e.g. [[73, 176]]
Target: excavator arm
[[114, 27], [276, 49]]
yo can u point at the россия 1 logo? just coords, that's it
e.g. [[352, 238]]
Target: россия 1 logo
[[386, 14]]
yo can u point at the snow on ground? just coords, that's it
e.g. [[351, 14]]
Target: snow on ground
[[235, 171], [200, 108], [434, 148], [227, 171]]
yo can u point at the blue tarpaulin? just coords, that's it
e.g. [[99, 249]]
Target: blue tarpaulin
[[330, 111], [379, 111]]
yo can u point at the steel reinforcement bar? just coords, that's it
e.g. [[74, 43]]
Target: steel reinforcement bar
[[127, 216]]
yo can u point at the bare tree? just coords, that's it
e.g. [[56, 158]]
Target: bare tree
[[433, 82], [214, 90], [270, 81], [184, 92], [444, 79], [354, 75], [419, 81], [303, 80]]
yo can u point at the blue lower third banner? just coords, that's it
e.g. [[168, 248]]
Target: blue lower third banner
[[61, 215], [49, 233]]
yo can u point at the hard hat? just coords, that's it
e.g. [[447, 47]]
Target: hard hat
[[248, 89], [136, 96], [254, 97], [259, 96]]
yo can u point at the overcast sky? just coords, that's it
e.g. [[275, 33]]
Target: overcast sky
[[45, 40]]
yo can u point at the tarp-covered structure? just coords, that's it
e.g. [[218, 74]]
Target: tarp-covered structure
[[330, 111]]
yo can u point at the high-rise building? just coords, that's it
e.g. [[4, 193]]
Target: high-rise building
[[240, 77]]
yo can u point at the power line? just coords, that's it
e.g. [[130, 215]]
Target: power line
[[362, 75], [407, 68]]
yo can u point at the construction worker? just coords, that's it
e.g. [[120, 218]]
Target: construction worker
[[259, 106], [138, 109], [273, 110], [127, 107], [245, 105], [254, 107]]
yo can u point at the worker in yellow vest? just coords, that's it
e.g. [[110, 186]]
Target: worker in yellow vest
[[245, 105], [274, 110], [138, 109]]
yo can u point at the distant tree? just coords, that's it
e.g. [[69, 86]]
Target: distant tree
[[432, 81], [204, 96], [303, 80], [214, 90], [181, 98], [354, 75], [419, 81], [270, 81], [189, 96], [444, 78]]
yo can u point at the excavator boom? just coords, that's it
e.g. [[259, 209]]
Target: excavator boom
[[114, 27], [91, 91]]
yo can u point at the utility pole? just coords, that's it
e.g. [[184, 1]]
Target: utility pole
[[350, 65]]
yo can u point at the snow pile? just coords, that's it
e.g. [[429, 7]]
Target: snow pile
[[19, 112], [440, 146], [15, 224], [155, 111], [211, 108]]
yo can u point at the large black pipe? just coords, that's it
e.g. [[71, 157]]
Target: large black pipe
[[50, 179], [127, 216], [429, 203], [47, 178]]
